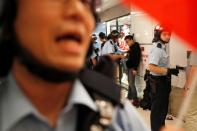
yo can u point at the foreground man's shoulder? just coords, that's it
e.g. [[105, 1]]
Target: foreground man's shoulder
[[106, 95], [129, 119]]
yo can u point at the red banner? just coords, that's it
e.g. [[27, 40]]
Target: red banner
[[177, 15]]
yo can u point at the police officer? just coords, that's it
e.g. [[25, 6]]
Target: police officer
[[160, 77], [94, 55], [111, 49], [102, 38], [111, 46], [43, 48]]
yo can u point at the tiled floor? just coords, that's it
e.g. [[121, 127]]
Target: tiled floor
[[146, 113], [146, 116]]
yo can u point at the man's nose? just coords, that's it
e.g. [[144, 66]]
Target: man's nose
[[74, 9]]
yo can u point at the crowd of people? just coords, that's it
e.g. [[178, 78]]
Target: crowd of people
[[157, 76]]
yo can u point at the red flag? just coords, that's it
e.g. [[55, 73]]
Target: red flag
[[178, 15]]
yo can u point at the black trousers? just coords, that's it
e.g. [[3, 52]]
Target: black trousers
[[160, 91], [132, 92], [146, 101]]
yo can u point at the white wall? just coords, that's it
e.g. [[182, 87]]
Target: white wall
[[177, 51], [106, 4], [142, 27], [114, 12], [178, 56]]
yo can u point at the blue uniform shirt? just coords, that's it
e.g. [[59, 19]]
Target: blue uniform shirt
[[17, 113], [158, 56], [108, 48], [111, 48]]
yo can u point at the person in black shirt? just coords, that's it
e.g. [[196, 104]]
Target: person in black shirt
[[132, 65]]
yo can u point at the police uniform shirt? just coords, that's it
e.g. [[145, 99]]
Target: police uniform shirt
[[97, 45], [18, 114], [108, 48], [93, 55], [158, 56], [193, 58]]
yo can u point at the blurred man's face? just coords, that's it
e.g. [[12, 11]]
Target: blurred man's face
[[56, 32], [129, 42], [116, 40], [165, 36]]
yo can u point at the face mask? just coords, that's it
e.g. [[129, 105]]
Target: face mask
[[46, 73]]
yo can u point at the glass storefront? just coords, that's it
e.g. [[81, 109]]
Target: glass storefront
[[122, 24], [111, 25], [101, 27]]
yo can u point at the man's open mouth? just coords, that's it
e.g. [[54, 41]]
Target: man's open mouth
[[70, 37]]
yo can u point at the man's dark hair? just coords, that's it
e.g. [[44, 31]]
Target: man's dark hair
[[102, 35], [109, 37], [130, 37], [114, 34], [7, 38]]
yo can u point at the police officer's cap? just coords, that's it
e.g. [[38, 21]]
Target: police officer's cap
[[157, 32], [115, 34]]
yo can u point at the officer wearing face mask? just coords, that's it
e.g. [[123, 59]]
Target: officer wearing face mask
[[160, 77], [43, 47]]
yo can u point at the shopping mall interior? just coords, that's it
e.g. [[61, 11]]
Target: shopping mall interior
[[114, 16]]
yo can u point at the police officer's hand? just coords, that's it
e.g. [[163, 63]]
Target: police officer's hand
[[173, 71], [171, 128], [134, 72], [185, 91], [122, 56]]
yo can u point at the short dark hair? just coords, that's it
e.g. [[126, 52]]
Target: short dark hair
[[115, 34], [102, 35], [7, 38], [130, 37], [109, 37]]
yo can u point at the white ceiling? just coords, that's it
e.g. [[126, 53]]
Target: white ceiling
[[106, 4]]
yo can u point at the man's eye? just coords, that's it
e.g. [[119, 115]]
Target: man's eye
[[87, 2]]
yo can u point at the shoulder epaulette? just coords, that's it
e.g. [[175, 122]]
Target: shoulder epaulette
[[106, 95], [111, 42]]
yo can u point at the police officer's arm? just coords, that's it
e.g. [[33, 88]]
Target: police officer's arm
[[171, 128], [154, 58], [93, 58], [156, 69], [108, 49], [116, 56], [162, 70], [94, 61]]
